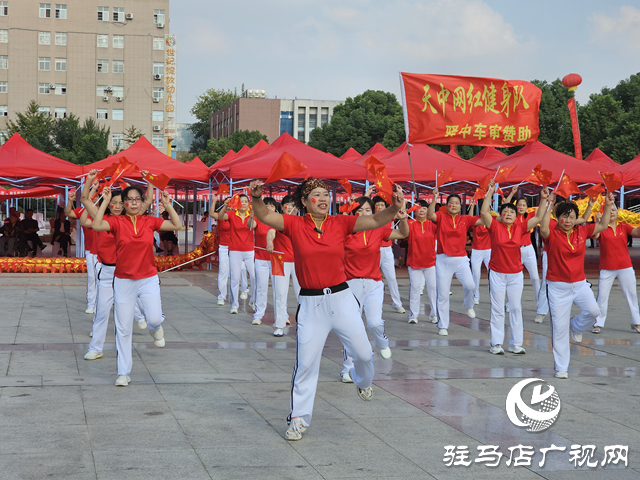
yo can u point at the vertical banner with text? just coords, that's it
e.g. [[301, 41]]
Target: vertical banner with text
[[170, 89]]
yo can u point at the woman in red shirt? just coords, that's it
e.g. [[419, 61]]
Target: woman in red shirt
[[262, 263], [135, 274], [325, 304], [529, 259], [566, 281]]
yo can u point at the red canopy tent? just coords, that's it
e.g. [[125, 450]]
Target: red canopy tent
[[350, 155], [631, 172], [230, 155], [454, 154], [37, 192], [378, 151], [487, 155], [603, 161]]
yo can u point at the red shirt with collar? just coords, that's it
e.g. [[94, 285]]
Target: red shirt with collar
[[282, 243], [241, 234], [385, 242], [552, 224], [89, 236], [614, 254], [105, 244], [362, 253], [261, 241], [505, 247], [451, 233], [134, 244], [523, 219], [565, 254], [224, 232], [319, 258], [481, 239], [422, 244]]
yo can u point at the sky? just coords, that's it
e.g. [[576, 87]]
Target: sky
[[334, 49]]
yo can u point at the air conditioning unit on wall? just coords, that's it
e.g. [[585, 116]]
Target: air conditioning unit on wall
[[157, 76], [105, 99], [156, 100], [129, 16], [157, 128], [118, 99], [160, 25]]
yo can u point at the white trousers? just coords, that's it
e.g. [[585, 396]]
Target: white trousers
[[387, 265], [280, 285], [543, 302], [236, 259], [627, 279], [446, 268], [92, 278], [511, 285], [370, 296], [263, 272], [562, 296], [477, 258], [418, 277], [316, 317], [529, 261], [126, 294], [223, 273]]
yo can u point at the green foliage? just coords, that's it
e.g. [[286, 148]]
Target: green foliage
[[216, 149], [131, 135], [208, 103], [34, 126]]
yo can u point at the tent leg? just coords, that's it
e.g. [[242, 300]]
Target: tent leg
[[621, 197], [195, 217]]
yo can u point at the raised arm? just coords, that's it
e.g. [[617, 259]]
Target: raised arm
[[222, 214], [380, 219], [85, 221], [212, 208], [148, 199], [260, 210], [99, 223], [535, 220], [68, 208], [546, 216], [485, 210], [403, 230], [603, 223], [174, 223], [584, 218], [431, 211], [514, 190]]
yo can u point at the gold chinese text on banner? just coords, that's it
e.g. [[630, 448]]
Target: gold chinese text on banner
[[170, 88], [454, 110]]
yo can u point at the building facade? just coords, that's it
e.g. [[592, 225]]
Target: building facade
[[272, 117], [103, 59]]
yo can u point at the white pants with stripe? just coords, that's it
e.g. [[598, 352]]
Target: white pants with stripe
[[223, 273], [370, 296], [627, 279], [263, 272], [387, 265], [318, 316], [418, 277], [280, 285], [543, 302], [126, 294], [446, 268], [511, 285], [478, 257], [92, 278], [529, 261], [562, 296], [236, 259]]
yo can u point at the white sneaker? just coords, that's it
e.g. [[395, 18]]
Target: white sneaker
[[287, 322], [142, 324], [422, 291], [635, 328], [122, 381], [476, 302], [365, 394], [278, 332], [400, 309], [413, 320], [89, 311], [244, 296], [158, 337], [385, 353], [471, 312], [539, 318], [220, 301], [253, 305], [256, 321], [443, 332], [562, 375], [496, 350], [91, 333], [295, 430], [577, 337], [433, 319], [346, 378], [233, 310], [517, 350], [92, 355]]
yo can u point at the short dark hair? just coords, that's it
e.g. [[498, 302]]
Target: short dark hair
[[523, 199], [379, 199], [115, 193], [287, 199], [29, 210], [565, 208], [362, 201], [423, 203], [244, 195], [270, 201], [510, 206], [454, 196], [126, 191]]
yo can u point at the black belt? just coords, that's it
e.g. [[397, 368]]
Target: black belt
[[109, 264], [314, 292]]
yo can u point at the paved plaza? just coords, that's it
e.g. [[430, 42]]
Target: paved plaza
[[212, 404]]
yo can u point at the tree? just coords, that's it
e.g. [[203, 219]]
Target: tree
[[80, 144], [34, 126], [361, 122], [209, 102], [596, 120], [216, 149], [554, 120], [132, 135]]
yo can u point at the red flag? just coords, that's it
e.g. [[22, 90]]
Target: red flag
[[444, 176], [348, 207], [346, 184], [123, 184], [107, 172], [540, 177], [235, 203], [613, 181], [287, 166], [160, 181], [567, 187], [78, 211], [503, 173], [484, 183], [416, 206], [480, 194], [384, 185], [594, 191], [277, 264], [222, 188], [123, 167], [499, 190]]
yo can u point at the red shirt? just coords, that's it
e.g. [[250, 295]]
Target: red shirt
[[224, 232], [481, 239], [505, 247], [319, 258], [282, 243], [88, 239], [451, 233], [134, 243], [422, 244], [241, 234], [362, 253], [552, 224], [261, 241], [385, 242], [523, 219], [614, 254], [105, 244], [565, 254]]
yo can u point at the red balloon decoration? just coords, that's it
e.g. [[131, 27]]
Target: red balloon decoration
[[572, 81]]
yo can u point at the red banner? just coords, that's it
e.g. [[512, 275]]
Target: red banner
[[574, 128], [453, 110]]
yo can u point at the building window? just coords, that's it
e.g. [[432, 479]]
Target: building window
[[301, 124], [103, 66], [158, 92], [117, 140], [4, 87], [324, 116], [4, 36], [44, 38], [118, 14], [286, 122], [61, 64], [158, 116], [61, 11], [44, 89], [158, 43], [46, 111], [45, 10], [100, 90], [44, 63], [61, 38], [118, 41], [117, 114], [4, 9], [4, 136], [118, 66], [158, 16], [4, 111], [117, 91], [102, 114], [158, 141], [61, 89], [103, 14], [158, 68], [103, 41], [313, 118], [60, 112], [4, 62]]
